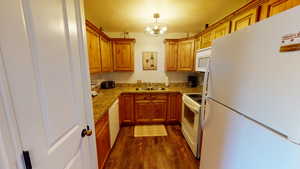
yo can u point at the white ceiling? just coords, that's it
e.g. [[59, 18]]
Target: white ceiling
[[179, 15]]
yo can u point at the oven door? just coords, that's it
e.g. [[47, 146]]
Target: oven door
[[190, 127]]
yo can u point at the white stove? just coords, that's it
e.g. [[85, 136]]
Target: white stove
[[190, 124]]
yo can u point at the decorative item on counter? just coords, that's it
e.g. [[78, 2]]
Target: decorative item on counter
[[149, 60], [94, 93], [166, 81]]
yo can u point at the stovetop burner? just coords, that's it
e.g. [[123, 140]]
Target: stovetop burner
[[196, 97]]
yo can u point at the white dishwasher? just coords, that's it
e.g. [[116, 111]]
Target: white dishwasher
[[114, 125]]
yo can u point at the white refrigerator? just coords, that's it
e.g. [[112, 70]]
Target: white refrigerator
[[252, 116]]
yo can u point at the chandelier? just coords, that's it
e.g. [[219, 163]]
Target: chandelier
[[156, 28]]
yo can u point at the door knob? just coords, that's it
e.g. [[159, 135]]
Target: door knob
[[86, 132]]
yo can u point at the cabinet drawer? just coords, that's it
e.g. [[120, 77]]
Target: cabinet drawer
[[152, 96], [143, 96]]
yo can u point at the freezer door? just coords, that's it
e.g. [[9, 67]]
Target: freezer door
[[249, 74], [231, 141]]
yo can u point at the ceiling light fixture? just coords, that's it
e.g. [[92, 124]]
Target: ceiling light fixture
[[156, 28]]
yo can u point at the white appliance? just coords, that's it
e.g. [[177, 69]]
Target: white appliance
[[190, 123], [202, 59], [114, 124], [252, 118]]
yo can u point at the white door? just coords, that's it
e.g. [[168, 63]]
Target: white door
[[41, 47]]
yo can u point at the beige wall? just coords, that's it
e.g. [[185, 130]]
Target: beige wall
[[146, 43]]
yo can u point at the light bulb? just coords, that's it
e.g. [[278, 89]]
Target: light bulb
[[164, 28], [148, 29], [155, 27]]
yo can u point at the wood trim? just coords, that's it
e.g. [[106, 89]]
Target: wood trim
[[124, 39], [96, 29]]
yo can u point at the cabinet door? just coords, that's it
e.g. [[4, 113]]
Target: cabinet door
[[243, 20], [126, 108], [143, 111], [123, 55], [186, 55], [171, 55], [150, 111], [198, 43], [278, 6], [273, 7], [159, 113], [103, 144], [93, 50], [206, 40], [221, 30], [106, 55], [174, 107]]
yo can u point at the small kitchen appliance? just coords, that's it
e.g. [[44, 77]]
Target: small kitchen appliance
[[108, 84], [192, 81]]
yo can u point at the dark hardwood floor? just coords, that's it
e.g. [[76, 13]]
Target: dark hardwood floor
[[170, 152]]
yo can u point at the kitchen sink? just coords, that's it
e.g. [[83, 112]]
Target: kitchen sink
[[149, 88]]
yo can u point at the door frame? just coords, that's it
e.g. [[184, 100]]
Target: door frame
[[10, 141]]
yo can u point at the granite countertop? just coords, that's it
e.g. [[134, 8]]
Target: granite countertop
[[106, 97]]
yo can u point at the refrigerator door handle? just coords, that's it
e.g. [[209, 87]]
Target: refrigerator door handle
[[290, 139], [294, 141]]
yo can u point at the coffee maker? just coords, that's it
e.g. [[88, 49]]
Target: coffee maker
[[192, 81]]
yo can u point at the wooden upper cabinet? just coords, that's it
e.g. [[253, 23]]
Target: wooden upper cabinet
[[273, 7], [93, 45], [221, 30], [106, 55], [171, 48], [198, 43], [245, 19], [186, 55], [123, 54], [279, 6], [206, 39]]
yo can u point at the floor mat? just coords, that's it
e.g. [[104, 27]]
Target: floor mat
[[150, 130]]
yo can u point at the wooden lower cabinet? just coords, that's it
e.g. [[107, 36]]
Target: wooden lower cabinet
[[174, 108], [126, 109], [102, 140], [148, 108], [150, 111]]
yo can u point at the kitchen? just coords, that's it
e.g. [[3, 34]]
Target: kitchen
[[101, 84], [170, 94]]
